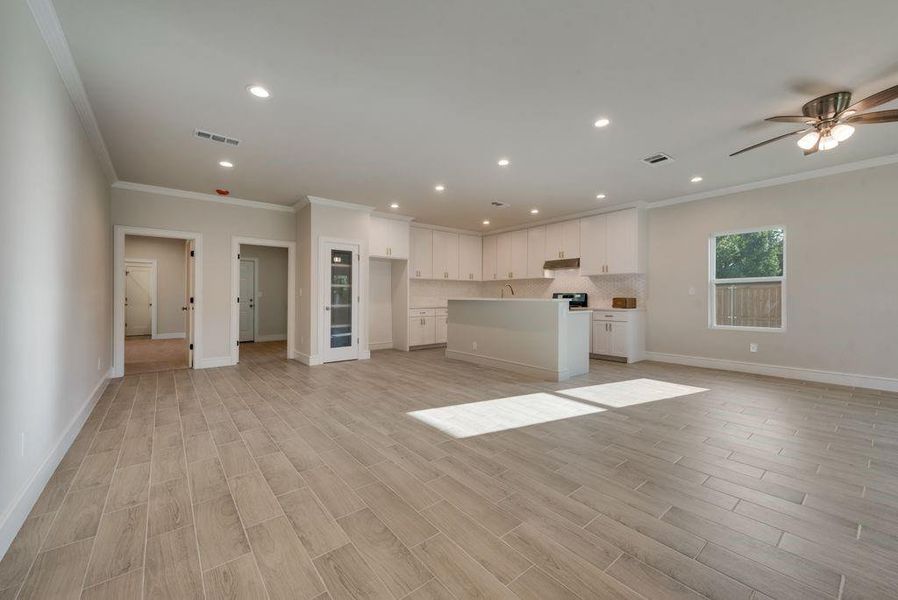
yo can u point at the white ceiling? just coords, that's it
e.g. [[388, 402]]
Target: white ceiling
[[375, 102]]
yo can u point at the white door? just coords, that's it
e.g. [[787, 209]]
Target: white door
[[620, 344], [138, 299], [247, 300], [398, 239], [519, 254], [378, 237], [503, 256], [421, 253], [489, 258], [601, 337], [189, 303], [445, 255], [536, 251], [340, 303], [623, 250], [554, 241], [570, 239], [593, 257], [470, 263]]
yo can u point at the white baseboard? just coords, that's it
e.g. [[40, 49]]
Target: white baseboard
[[508, 365], [381, 345], [170, 336], [364, 354], [13, 517], [212, 362], [815, 375], [274, 337], [307, 359]]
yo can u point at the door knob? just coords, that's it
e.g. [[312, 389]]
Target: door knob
[[183, 308], [327, 308]]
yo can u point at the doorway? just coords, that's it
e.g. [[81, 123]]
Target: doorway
[[249, 283], [340, 301], [157, 300]]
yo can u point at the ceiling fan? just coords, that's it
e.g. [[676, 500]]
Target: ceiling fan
[[830, 120]]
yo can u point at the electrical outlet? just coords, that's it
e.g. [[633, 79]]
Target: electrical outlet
[[752, 347], [474, 345]]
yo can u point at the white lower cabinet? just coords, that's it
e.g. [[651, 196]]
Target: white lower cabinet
[[427, 326], [441, 329], [618, 333]]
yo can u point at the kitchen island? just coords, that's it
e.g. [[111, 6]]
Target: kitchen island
[[535, 336]]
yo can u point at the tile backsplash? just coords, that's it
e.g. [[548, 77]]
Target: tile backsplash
[[601, 289]]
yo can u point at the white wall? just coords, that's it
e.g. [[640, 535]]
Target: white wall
[[56, 244], [271, 296], [380, 301], [218, 223], [171, 279], [842, 274]]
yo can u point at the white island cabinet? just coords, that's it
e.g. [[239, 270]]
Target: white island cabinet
[[529, 335]]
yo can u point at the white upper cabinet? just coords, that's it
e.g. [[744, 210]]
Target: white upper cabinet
[[503, 256], [563, 240], [613, 243], [518, 254], [445, 255], [490, 271], [470, 257], [421, 259], [536, 251], [388, 238]]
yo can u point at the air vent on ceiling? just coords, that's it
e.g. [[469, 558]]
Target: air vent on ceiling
[[657, 159], [497, 204], [216, 137]]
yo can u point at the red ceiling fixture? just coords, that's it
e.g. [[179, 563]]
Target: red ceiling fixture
[[222, 192]]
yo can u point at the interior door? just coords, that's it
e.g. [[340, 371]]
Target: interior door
[[138, 300], [340, 284], [190, 258], [247, 300]]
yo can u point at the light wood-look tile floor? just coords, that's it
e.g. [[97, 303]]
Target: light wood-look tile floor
[[145, 355], [274, 480]]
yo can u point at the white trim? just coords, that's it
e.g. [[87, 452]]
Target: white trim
[[236, 241], [508, 365], [456, 230], [359, 275], [154, 288], [813, 375], [212, 362], [332, 203], [118, 290], [869, 163], [179, 335], [307, 359], [599, 210], [175, 193], [272, 337], [380, 346], [394, 216], [51, 30], [11, 521]]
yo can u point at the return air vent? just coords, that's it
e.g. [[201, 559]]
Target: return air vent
[[497, 204], [657, 159], [216, 137]]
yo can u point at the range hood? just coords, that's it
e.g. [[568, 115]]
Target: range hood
[[562, 263]]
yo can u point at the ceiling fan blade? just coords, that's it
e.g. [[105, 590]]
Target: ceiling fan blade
[[776, 139], [875, 100], [792, 119], [880, 116]]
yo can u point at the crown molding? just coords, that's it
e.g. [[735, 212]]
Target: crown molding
[[164, 191], [51, 30], [869, 163], [569, 217], [316, 201], [448, 229], [393, 216]]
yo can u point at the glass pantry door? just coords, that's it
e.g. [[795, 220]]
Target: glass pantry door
[[341, 335]]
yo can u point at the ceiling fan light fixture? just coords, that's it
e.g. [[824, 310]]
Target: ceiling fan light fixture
[[842, 132], [828, 142], [808, 140]]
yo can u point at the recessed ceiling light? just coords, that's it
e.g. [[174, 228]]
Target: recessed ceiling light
[[600, 196], [226, 164], [258, 91], [486, 222], [696, 179], [503, 162], [534, 211], [439, 187], [602, 122], [394, 205]]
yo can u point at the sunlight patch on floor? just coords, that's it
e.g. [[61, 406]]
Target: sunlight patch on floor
[[632, 392], [477, 418]]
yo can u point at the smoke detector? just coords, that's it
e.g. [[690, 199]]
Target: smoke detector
[[215, 137]]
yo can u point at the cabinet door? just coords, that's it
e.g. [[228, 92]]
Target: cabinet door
[[570, 239], [536, 251], [554, 241], [422, 253], [519, 254], [592, 255], [601, 337], [490, 271], [620, 339], [421, 331], [623, 242], [445, 255], [398, 238], [470, 260], [378, 234], [503, 256], [440, 330]]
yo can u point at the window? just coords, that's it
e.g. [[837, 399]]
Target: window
[[748, 279]]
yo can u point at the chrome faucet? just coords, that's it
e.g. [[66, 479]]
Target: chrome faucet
[[507, 285]]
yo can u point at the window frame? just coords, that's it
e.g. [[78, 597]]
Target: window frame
[[713, 281]]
